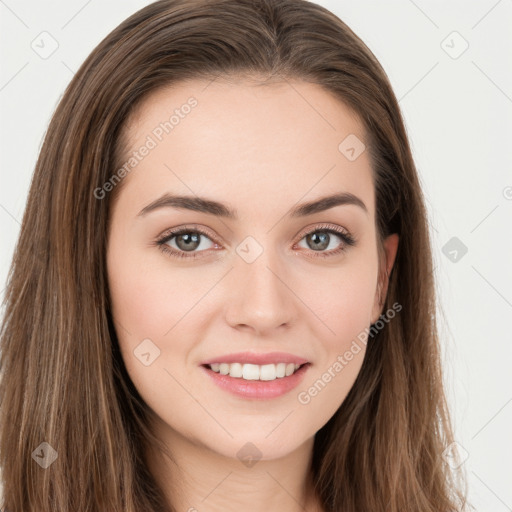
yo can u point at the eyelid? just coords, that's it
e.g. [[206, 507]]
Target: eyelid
[[169, 233], [318, 227]]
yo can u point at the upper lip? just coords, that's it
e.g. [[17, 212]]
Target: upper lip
[[259, 359]]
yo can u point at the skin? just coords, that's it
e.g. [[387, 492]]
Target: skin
[[260, 150]]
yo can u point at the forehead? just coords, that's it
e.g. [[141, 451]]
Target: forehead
[[246, 143]]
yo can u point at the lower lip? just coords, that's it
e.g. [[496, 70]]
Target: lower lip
[[258, 389]]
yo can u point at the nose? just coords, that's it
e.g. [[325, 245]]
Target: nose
[[261, 299]]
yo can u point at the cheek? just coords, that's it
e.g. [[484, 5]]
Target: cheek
[[140, 310], [145, 308], [343, 300], [146, 300], [152, 302], [344, 304]]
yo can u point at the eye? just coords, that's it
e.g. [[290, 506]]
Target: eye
[[183, 242], [321, 238], [186, 242]]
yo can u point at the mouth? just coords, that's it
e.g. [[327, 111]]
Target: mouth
[[253, 372], [258, 382]]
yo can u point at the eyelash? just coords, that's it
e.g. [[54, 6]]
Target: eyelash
[[348, 241]]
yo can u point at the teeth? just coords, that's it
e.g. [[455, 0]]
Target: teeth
[[249, 371], [280, 370], [255, 371], [236, 370]]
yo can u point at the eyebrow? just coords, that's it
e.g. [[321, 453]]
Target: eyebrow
[[209, 206]]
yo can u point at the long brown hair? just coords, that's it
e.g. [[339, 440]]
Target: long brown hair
[[63, 380]]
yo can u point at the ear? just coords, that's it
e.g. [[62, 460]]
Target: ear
[[390, 246]]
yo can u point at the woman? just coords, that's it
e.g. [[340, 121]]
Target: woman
[[222, 295]]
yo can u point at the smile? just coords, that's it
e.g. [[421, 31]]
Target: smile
[[259, 382], [254, 371]]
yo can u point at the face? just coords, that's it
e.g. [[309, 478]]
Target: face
[[256, 279]]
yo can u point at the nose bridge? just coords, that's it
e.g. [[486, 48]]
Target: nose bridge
[[260, 297]]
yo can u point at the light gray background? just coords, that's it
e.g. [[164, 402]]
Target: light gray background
[[458, 111]]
